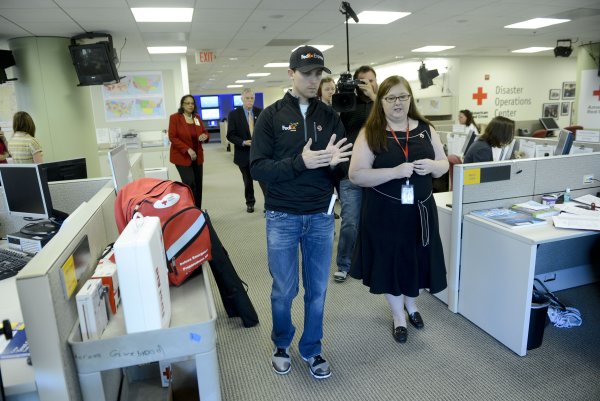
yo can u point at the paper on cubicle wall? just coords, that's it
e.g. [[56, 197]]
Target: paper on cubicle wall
[[455, 143], [588, 199], [544, 150], [528, 148], [576, 150], [588, 136]]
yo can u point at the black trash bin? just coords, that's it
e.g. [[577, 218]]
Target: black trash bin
[[537, 319]]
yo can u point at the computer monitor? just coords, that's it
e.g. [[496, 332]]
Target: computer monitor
[[63, 170], [565, 141], [27, 195], [237, 101], [468, 141], [210, 114], [207, 102], [549, 123], [118, 159]]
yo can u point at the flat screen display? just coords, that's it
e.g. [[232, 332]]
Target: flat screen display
[[26, 191], [549, 123], [237, 101], [94, 63], [118, 158], [73, 169], [565, 141], [207, 102], [210, 114]]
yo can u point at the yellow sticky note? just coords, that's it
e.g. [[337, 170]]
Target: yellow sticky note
[[69, 275], [472, 176]]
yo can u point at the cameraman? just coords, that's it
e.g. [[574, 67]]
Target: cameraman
[[350, 194]]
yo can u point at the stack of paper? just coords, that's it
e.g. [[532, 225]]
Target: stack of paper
[[536, 209], [579, 217]]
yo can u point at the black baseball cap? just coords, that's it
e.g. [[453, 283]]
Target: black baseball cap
[[307, 58]]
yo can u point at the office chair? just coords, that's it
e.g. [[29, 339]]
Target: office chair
[[540, 133], [452, 159]]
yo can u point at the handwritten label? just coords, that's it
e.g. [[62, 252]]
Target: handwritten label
[[472, 176]]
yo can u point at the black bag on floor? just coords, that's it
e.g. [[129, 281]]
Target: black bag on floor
[[232, 289]]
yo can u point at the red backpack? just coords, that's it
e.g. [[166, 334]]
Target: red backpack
[[184, 229]]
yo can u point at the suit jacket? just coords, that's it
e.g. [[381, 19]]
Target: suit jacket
[[181, 140], [238, 132]]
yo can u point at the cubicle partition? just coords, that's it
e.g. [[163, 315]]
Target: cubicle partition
[[66, 368], [492, 268]]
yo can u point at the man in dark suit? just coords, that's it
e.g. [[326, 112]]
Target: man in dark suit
[[240, 124]]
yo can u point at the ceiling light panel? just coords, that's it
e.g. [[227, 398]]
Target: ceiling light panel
[[155, 14], [167, 49], [432, 49], [532, 50], [259, 74], [378, 17], [536, 23]]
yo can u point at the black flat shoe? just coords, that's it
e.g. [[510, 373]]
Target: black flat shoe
[[416, 320], [250, 209], [399, 333]]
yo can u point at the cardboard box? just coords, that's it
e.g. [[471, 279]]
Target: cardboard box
[[91, 306], [142, 270], [107, 272]]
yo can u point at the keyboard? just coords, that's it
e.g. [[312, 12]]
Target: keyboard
[[11, 262]]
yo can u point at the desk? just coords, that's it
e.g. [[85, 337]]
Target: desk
[[498, 266], [17, 376], [191, 335]]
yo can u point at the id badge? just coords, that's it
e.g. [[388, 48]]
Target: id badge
[[408, 194], [196, 121]]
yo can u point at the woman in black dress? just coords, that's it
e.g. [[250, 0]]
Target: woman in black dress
[[398, 251]]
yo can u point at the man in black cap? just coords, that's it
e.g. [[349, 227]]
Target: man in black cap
[[297, 148]]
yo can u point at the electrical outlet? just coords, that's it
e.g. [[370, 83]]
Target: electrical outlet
[[588, 178]]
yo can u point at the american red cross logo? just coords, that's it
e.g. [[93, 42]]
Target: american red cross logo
[[479, 96], [596, 93]]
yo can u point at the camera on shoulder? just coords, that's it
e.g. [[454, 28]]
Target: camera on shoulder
[[345, 97]]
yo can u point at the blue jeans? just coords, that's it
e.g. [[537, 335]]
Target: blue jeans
[[350, 199], [314, 234]]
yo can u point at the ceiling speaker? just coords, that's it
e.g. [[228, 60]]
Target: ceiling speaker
[[563, 48]]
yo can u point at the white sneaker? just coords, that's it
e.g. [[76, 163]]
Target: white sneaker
[[340, 277]]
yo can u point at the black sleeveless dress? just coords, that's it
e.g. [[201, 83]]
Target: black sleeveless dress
[[399, 250]]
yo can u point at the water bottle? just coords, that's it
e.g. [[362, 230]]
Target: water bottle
[[567, 196]]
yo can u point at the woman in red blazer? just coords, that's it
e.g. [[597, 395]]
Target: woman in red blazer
[[186, 133]]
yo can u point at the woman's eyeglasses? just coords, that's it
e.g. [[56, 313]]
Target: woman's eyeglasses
[[392, 99]]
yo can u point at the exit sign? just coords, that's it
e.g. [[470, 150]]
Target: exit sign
[[204, 56]]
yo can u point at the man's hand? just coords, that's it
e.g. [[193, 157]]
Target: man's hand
[[192, 154], [367, 89], [339, 151], [247, 142], [315, 158]]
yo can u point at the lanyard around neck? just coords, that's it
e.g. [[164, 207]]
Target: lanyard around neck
[[404, 149]]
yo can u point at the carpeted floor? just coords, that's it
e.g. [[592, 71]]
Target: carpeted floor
[[450, 359]]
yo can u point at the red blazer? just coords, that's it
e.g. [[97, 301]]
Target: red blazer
[[181, 140]]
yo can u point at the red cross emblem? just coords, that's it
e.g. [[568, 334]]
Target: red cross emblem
[[479, 96], [596, 93]]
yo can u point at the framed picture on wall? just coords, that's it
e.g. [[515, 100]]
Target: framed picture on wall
[[568, 90], [550, 110], [554, 94], [565, 108]]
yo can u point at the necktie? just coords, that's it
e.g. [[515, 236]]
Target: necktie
[[250, 122]]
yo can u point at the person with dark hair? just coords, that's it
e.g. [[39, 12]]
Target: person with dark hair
[[23, 147], [240, 128], [3, 148], [326, 90], [499, 133], [297, 147], [350, 194], [465, 117], [398, 250], [187, 133]]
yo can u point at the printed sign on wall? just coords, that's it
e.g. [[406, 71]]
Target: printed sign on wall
[[588, 114]]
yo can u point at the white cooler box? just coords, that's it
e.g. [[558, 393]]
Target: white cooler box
[[158, 172], [142, 269]]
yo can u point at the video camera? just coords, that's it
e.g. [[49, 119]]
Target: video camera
[[345, 97]]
